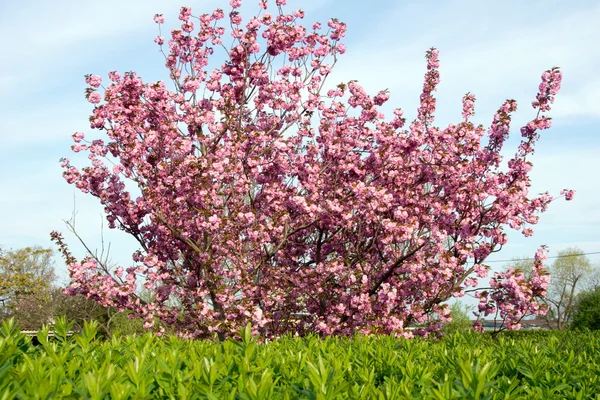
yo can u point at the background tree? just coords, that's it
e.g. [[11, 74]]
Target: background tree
[[78, 309], [266, 196], [461, 318], [28, 292], [569, 272], [26, 280], [592, 280], [586, 313]]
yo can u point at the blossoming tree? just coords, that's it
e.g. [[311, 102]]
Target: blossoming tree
[[266, 197]]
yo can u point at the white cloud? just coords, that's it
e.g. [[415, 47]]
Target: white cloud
[[583, 101], [57, 32]]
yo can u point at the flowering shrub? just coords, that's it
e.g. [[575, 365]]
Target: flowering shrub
[[266, 198]]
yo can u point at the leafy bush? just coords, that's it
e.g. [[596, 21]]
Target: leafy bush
[[587, 311], [466, 365]]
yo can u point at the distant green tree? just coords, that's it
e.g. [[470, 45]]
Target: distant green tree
[[569, 272], [586, 313], [26, 282], [78, 309], [29, 294], [592, 281], [460, 318]]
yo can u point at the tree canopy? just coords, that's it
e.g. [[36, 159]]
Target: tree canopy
[[268, 197]]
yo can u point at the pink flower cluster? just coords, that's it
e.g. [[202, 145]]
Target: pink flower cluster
[[268, 197], [551, 81], [569, 194], [468, 106], [514, 295]]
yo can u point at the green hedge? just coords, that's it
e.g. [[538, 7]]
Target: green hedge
[[539, 365]]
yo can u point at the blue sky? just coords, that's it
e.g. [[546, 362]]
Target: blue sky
[[496, 50]]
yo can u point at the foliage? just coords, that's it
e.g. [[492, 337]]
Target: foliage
[[586, 314], [592, 280], [125, 323], [465, 365], [33, 260], [78, 310], [267, 197], [461, 318], [27, 293], [26, 279]]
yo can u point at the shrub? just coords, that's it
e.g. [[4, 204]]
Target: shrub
[[267, 198]]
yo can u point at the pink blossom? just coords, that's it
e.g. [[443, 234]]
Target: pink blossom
[[185, 13], [468, 106], [93, 80], [269, 195], [568, 194], [94, 98], [78, 136], [480, 270], [541, 254]]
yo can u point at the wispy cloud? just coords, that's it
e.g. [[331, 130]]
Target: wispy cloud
[[495, 51], [47, 38]]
